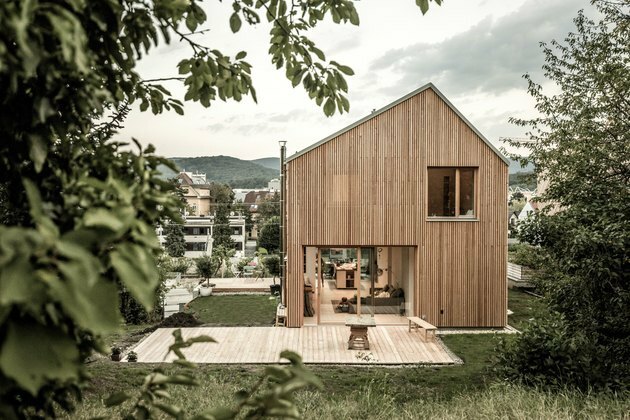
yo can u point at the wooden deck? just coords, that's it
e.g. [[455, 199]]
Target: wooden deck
[[389, 345]]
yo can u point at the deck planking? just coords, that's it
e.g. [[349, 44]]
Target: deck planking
[[389, 345]]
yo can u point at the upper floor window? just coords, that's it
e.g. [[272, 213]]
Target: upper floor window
[[451, 192]]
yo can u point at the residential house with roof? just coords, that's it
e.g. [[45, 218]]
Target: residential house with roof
[[402, 212]]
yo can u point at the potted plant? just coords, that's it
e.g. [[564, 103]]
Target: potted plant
[[206, 267], [115, 356], [132, 356]]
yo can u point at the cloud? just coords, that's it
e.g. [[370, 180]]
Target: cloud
[[490, 57], [256, 123]]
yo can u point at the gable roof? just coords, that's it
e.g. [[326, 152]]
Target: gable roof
[[390, 106]]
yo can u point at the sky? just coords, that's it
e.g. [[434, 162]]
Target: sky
[[474, 51]]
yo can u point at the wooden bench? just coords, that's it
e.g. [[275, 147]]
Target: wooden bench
[[427, 330], [281, 316]]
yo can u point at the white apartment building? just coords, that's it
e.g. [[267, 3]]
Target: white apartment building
[[198, 235]]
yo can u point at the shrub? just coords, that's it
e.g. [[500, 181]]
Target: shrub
[[180, 320], [179, 265], [526, 255], [549, 353]]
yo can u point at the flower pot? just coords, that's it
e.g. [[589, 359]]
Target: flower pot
[[115, 357], [275, 289], [205, 291]]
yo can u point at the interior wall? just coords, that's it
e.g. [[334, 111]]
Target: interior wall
[[401, 269], [382, 263], [311, 258]]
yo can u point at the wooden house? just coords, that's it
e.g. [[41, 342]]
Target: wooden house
[[403, 214]]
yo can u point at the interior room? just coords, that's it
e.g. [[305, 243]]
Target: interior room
[[376, 281]]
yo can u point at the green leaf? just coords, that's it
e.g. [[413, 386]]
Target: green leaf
[[91, 301], [329, 107], [44, 224], [116, 399], [235, 22], [32, 355], [241, 55], [103, 218], [136, 267], [168, 409], [424, 5], [221, 413], [345, 69]]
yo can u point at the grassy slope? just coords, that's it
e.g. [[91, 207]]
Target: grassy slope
[[373, 392]]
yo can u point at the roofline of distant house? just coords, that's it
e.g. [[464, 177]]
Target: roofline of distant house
[[391, 105]]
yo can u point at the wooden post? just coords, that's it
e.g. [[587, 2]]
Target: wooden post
[[359, 281], [319, 282]]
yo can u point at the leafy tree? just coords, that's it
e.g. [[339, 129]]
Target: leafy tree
[[272, 265], [175, 244], [206, 267], [223, 255], [269, 237], [223, 198], [79, 210], [268, 207], [580, 144]]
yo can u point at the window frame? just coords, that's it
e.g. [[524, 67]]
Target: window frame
[[458, 217]]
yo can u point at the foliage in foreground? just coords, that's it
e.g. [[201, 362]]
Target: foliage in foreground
[[580, 145], [378, 393], [271, 396]]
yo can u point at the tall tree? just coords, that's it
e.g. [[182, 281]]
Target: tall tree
[[580, 144], [269, 237], [78, 210], [175, 243], [223, 199], [268, 207]]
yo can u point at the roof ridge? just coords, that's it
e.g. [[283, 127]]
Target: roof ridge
[[390, 106]]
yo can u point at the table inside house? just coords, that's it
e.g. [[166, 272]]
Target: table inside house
[[359, 325]]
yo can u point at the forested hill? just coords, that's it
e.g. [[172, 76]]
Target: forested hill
[[226, 169], [269, 162]]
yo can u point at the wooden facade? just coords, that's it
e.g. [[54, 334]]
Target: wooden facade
[[366, 186]]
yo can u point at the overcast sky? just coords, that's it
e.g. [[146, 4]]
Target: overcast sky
[[474, 51]]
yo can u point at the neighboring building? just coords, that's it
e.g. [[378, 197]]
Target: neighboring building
[[416, 198], [530, 208], [273, 185], [198, 235], [199, 218]]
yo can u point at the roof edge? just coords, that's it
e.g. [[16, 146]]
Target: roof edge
[[390, 106]]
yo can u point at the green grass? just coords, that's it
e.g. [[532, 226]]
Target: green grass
[[448, 392], [524, 306], [235, 310]]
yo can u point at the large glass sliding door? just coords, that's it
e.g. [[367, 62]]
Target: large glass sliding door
[[375, 281]]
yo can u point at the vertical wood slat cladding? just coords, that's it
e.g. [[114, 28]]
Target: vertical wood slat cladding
[[367, 187]]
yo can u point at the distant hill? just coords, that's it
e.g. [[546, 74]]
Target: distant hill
[[226, 169], [269, 162], [516, 167]]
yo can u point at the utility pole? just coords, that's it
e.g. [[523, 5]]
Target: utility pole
[[283, 242]]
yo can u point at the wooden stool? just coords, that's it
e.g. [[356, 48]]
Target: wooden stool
[[281, 316], [358, 338]]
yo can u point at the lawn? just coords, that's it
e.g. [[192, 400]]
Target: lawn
[[235, 310], [525, 307], [366, 392]]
